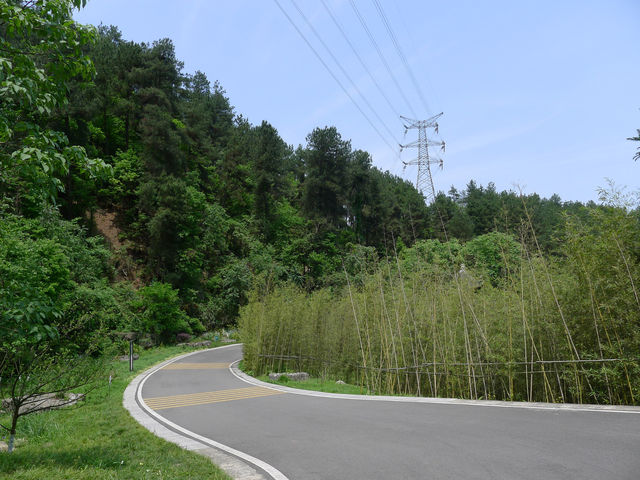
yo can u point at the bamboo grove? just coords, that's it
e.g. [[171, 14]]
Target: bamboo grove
[[494, 318]]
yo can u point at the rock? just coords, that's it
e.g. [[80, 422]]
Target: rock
[[204, 343], [296, 377], [125, 358], [183, 337], [3, 447], [46, 401], [340, 382]]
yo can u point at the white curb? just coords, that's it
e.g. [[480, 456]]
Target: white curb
[[435, 400], [237, 464]]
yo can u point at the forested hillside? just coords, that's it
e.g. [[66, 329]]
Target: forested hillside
[[135, 198]]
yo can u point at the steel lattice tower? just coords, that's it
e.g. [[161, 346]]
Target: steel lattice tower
[[424, 161]]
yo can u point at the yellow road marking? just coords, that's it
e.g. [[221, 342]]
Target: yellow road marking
[[191, 399], [195, 366]]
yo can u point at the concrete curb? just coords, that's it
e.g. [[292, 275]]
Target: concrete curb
[[238, 465], [434, 400]]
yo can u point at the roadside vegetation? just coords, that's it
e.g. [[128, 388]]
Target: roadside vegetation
[[135, 202], [493, 318], [317, 385], [98, 439]]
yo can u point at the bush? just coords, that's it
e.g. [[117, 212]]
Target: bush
[[162, 315]]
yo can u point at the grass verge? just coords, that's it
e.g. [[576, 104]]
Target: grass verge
[[100, 440], [316, 384]]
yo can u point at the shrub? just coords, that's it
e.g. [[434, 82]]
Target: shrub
[[162, 315]]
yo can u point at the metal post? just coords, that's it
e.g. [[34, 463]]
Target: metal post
[[131, 355]]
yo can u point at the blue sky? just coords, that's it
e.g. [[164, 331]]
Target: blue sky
[[536, 94]]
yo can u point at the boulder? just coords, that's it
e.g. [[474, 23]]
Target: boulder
[[296, 377], [205, 343], [125, 358], [47, 401]]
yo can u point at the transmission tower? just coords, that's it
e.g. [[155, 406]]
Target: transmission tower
[[424, 181]]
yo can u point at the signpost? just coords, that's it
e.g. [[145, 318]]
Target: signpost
[[130, 336]]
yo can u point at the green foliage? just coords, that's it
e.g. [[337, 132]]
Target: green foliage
[[44, 265], [603, 253], [207, 201], [541, 328], [469, 296], [94, 442], [46, 344], [494, 253], [268, 174], [482, 206], [212, 207], [636, 139], [161, 313], [30, 263], [229, 287], [326, 160], [127, 173], [26, 321], [103, 308], [433, 255], [42, 51], [318, 385]]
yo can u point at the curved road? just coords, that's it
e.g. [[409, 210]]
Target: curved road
[[311, 437]]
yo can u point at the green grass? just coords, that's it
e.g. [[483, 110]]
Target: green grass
[[328, 386], [100, 440], [318, 385]]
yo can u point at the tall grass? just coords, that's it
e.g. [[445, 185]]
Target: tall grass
[[513, 324]]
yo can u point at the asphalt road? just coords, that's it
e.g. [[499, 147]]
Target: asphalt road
[[327, 438]]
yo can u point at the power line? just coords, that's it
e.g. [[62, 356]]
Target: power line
[[344, 72], [400, 53], [382, 58], [332, 74], [404, 24], [355, 52]]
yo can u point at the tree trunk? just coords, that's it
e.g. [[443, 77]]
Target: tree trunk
[[14, 423]]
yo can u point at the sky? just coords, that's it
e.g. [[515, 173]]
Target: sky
[[538, 96]]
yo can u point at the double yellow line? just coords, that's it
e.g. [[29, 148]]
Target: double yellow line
[[191, 399]]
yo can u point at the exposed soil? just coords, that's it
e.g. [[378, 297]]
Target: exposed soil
[[105, 224], [126, 267]]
